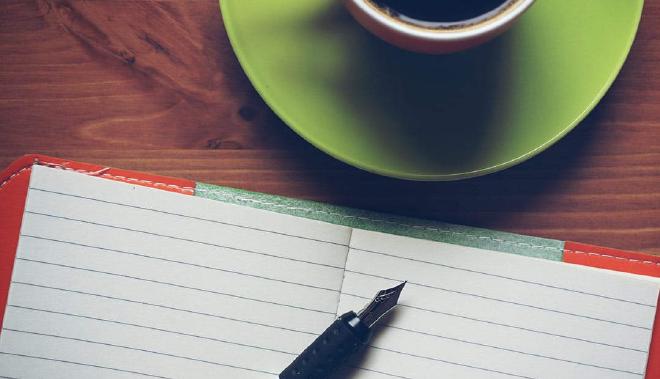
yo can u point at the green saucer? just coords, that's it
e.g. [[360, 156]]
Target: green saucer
[[426, 117]]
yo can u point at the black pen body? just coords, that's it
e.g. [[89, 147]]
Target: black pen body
[[347, 335]]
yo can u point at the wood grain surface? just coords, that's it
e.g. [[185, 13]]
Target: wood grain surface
[[155, 86]]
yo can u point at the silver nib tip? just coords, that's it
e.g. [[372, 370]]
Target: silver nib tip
[[383, 302]]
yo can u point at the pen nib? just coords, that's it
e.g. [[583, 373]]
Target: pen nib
[[382, 303]]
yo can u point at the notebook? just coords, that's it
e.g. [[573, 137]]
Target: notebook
[[107, 273]]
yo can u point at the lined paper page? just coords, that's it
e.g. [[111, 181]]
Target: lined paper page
[[119, 281], [468, 313]]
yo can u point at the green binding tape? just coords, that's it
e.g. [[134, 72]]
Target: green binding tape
[[380, 222]]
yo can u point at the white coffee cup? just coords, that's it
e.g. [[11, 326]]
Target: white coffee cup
[[442, 37]]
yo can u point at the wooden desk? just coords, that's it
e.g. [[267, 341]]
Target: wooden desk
[[154, 86]]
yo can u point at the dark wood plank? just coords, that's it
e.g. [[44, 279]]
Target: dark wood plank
[[154, 86]]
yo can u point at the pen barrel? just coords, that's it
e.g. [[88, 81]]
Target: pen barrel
[[330, 350]]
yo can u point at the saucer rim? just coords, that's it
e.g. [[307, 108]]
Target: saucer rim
[[261, 89]]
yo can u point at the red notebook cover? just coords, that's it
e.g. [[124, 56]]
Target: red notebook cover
[[14, 182]]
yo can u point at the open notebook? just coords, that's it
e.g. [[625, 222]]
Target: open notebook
[[119, 280]]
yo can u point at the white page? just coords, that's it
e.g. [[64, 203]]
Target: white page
[[113, 280], [117, 281], [469, 313]]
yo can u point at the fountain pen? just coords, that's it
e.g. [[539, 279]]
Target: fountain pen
[[342, 339]]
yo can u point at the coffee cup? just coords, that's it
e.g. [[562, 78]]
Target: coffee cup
[[437, 27]]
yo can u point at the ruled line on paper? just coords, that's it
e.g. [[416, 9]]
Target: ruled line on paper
[[411, 283], [466, 294], [452, 267], [112, 270], [156, 376], [186, 334], [497, 348], [222, 364], [216, 221], [152, 328], [182, 278], [177, 262], [310, 333], [81, 364], [175, 285], [181, 239], [381, 372], [450, 362], [138, 349], [499, 324], [168, 331]]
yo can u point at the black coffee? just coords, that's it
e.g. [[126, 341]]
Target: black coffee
[[435, 12]]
